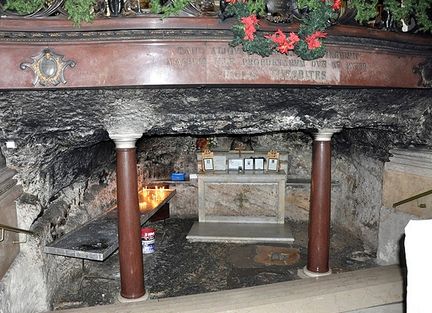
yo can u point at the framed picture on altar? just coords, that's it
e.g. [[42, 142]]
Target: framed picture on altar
[[259, 164], [273, 165], [248, 164], [220, 163], [208, 164], [235, 165]]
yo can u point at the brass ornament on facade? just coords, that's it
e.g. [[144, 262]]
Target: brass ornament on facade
[[207, 154], [48, 68]]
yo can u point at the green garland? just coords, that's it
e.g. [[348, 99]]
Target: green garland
[[24, 6], [78, 10], [307, 44], [173, 8], [421, 10], [317, 19]]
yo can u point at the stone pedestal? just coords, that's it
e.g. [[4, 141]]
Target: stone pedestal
[[241, 198]]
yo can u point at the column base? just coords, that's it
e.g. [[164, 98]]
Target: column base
[[305, 273], [122, 299]]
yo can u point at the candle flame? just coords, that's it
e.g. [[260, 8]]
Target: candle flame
[[150, 198]]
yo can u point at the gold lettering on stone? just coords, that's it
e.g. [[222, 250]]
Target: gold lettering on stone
[[356, 67], [184, 57], [226, 51], [342, 55], [240, 75], [185, 62], [233, 64]]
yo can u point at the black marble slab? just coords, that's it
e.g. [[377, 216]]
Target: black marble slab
[[98, 238]]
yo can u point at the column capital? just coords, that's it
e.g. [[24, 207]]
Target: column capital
[[124, 141], [325, 134]]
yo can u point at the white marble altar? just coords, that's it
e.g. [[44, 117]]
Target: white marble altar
[[245, 207]]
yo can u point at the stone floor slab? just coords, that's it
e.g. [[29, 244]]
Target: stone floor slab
[[335, 293]]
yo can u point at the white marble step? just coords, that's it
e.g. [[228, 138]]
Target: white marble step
[[387, 308], [240, 232], [330, 294]]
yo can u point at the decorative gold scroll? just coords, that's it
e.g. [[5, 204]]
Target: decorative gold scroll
[[48, 68]]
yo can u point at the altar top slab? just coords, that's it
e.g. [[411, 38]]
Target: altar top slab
[[148, 52]]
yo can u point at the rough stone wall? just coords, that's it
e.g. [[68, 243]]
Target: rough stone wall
[[159, 156], [358, 167], [359, 203], [2, 160], [76, 186]]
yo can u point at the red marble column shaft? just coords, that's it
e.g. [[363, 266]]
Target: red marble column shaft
[[319, 214], [129, 227]]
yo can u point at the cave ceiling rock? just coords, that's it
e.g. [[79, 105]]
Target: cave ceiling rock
[[48, 123]]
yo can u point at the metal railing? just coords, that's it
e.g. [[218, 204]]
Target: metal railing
[[415, 197], [4, 228]]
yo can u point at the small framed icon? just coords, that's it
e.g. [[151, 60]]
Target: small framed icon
[[273, 165], [208, 164], [235, 165], [248, 164], [259, 164]]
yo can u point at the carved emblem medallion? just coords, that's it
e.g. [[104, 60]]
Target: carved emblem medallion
[[48, 68]]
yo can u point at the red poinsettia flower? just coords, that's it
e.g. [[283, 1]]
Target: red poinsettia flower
[[312, 40], [336, 4], [249, 26], [284, 44], [293, 38], [278, 37]]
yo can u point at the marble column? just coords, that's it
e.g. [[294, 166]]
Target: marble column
[[130, 252], [319, 214]]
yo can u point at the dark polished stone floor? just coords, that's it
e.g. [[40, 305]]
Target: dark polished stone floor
[[179, 267]]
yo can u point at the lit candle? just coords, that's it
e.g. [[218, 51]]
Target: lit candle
[[143, 206]]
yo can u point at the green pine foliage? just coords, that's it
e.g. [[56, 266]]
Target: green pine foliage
[[242, 9], [365, 10], [423, 14], [308, 4], [256, 7], [24, 6], [421, 10], [318, 19], [172, 8], [80, 10]]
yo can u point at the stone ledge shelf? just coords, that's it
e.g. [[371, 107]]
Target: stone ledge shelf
[[98, 238]]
